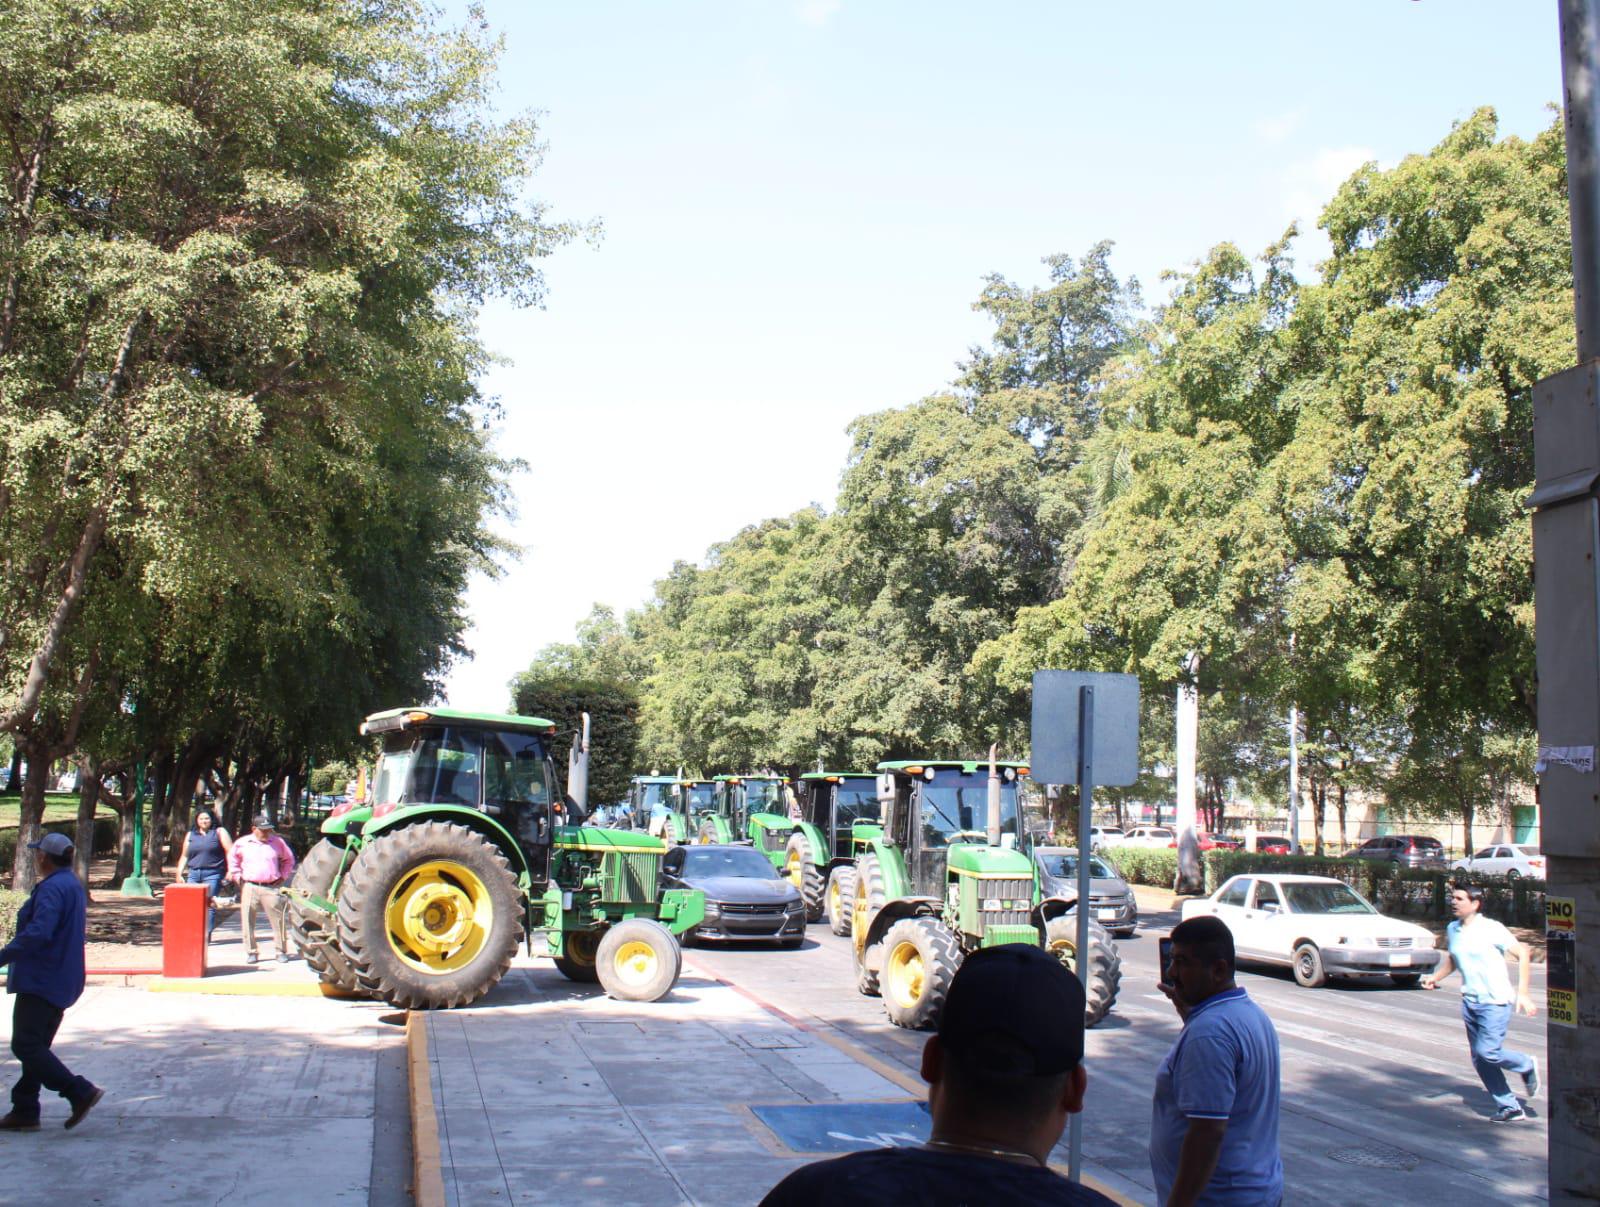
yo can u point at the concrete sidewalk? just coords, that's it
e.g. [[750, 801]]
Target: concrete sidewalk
[[550, 1091]]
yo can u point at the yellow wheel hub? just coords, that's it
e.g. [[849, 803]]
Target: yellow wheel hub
[[1067, 952], [859, 921], [796, 870], [636, 963], [904, 976], [833, 899], [439, 916]]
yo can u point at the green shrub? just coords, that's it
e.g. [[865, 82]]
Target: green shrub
[[10, 903], [1156, 866], [105, 837]]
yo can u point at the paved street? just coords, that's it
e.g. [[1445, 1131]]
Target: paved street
[[1380, 1100]]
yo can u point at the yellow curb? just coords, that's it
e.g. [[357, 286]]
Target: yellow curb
[[249, 988], [427, 1177]]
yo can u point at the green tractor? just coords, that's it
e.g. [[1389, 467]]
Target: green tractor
[[953, 872], [749, 808], [691, 802], [650, 802], [421, 896], [838, 820]]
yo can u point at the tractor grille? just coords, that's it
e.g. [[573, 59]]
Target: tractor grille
[[1015, 896], [630, 878]]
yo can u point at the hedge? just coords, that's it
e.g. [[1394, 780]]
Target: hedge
[[106, 833], [10, 903]]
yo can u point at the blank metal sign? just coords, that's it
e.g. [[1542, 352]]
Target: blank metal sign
[[1055, 727]]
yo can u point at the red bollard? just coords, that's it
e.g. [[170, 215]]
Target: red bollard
[[183, 931]]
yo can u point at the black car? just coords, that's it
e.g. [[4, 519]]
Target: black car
[[746, 897]]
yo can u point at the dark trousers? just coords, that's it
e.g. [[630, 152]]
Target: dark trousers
[[33, 1029]]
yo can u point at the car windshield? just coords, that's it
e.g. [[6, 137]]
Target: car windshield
[[1065, 867], [857, 800], [763, 796], [746, 863], [1325, 899], [955, 807]]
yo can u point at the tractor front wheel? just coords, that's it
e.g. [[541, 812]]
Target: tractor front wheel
[[867, 902], [920, 956], [576, 962], [840, 896], [804, 874], [708, 833], [1105, 965], [314, 877], [429, 916], [638, 961]]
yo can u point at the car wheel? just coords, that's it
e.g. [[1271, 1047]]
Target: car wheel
[[1308, 969], [1124, 934], [1513, 874]]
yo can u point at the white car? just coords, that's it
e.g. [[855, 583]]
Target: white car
[[1508, 859], [1147, 836], [1318, 926], [1104, 836]]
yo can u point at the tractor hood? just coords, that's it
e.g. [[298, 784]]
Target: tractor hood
[[593, 838], [980, 860]]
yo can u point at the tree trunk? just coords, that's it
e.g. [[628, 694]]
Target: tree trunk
[[160, 806], [1319, 810], [38, 756], [88, 805], [1466, 818], [14, 781], [180, 816], [1340, 804]]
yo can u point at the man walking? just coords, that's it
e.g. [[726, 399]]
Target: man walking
[[1478, 946], [261, 863], [47, 975], [1214, 1123]]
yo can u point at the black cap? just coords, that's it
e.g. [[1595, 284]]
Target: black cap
[[261, 821], [1020, 992]]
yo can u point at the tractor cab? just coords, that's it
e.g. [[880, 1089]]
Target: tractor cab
[[650, 802], [843, 805], [750, 808], [692, 801], [931, 809]]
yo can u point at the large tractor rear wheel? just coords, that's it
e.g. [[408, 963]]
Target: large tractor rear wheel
[[314, 877], [920, 957], [1105, 965], [638, 961], [429, 916], [868, 900], [840, 896], [708, 833], [804, 873], [577, 961]]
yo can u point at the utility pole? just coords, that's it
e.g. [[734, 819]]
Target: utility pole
[[1566, 567], [1294, 769], [1189, 878]]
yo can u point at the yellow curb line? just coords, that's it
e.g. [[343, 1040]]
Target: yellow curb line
[[427, 1178], [248, 989]]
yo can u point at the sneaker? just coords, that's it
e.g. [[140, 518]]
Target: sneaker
[[1508, 1114], [251, 958], [1530, 1081], [13, 1122], [83, 1108]]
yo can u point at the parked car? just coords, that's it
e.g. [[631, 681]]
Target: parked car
[[1115, 907], [1408, 850], [1148, 836], [746, 897], [1273, 844], [1318, 926], [1511, 860], [1220, 842], [1104, 836]]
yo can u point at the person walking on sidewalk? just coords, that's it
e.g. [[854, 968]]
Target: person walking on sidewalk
[[261, 863], [1214, 1120], [1004, 1071], [47, 976], [1478, 946], [204, 860]]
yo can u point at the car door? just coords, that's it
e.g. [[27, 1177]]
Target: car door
[[1499, 861], [1230, 902], [1262, 918]]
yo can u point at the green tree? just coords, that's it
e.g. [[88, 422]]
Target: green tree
[[613, 708]]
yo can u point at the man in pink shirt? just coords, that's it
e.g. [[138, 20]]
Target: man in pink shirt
[[261, 863]]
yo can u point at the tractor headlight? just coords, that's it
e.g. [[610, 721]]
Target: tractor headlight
[[993, 903]]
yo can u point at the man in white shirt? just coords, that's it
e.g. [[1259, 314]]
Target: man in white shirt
[[1478, 946]]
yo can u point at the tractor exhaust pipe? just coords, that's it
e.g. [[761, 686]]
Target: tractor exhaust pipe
[[994, 798], [578, 768]]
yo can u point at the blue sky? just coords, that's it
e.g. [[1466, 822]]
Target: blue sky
[[800, 200]]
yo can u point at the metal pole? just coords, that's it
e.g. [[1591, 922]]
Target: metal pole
[[1294, 781], [137, 884], [1085, 825], [1580, 52]]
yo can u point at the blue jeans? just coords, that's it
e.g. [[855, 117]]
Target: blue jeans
[[212, 879], [1486, 1032]]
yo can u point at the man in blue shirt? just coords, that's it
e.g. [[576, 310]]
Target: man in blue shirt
[[1214, 1121], [47, 975], [1478, 946]]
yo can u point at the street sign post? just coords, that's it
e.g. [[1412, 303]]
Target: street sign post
[[1085, 731]]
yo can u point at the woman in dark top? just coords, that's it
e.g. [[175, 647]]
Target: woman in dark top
[[204, 859]]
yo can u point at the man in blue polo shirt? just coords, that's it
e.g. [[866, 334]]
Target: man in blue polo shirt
[[1214, 1123]]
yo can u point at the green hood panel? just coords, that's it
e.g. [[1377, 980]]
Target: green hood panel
[[347, 823], [989, 861], [593, 838]]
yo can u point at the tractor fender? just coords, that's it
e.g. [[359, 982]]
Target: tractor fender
[[472, 819], [1052, 907], [892, 866], [895, 910], [349, 823], [720, 825], [819, 849]]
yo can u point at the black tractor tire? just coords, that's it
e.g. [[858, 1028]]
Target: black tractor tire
[[841, 892], [391, 864], [638, 961], [798, 857], [314, 877], [1105, 964], [577, 962], [708, 833], [868, 900], [1405, 980], [1309, 971], [920, 958]]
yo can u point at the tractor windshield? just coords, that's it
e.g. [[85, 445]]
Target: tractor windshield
[[857, 800], [462, 767], [764, 796], [652, 795], [955, 808], [701, 796]]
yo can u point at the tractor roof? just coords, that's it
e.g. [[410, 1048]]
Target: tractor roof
[[655, 779], [400, 718], [967, 766], [735, 779], [838, 775]]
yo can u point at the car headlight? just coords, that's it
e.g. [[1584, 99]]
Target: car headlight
[[794, 907], [1425, 942]]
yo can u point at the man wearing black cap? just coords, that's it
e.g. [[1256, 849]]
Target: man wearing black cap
[[47, 975], [1004, 1071]]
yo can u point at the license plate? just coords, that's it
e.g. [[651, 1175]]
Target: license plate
[[1403, 961], [1105, 915]]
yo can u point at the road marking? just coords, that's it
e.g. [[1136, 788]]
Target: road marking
[[251, 988], [427, 1166]]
